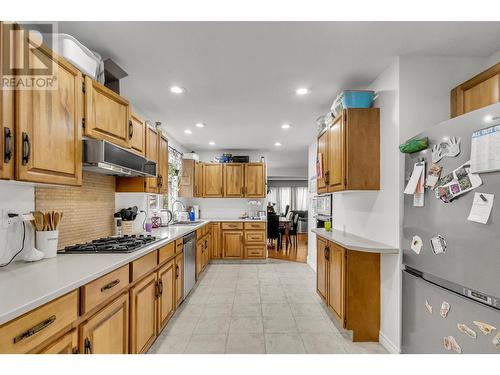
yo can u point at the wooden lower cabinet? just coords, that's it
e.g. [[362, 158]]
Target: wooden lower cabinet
[[31, 330], [321, 267], [215, 246], [67, 344], [336, 280], [179, 279], [200, 249], [349, 283], [166, 294], [232, 244], [107, 332], [143, 314]]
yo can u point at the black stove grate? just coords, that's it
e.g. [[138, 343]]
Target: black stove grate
[[125, 244]]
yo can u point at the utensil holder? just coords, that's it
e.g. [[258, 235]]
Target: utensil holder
[[47, 241]]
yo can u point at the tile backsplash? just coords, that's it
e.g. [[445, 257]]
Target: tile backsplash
[[88, 209]]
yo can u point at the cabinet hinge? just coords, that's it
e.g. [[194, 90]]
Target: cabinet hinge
[[83, 86], [87, 346], [83, 122]]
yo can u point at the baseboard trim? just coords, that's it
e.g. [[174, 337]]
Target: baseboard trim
[[388, 344]]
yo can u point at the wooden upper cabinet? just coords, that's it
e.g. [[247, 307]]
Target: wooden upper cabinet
[[137, 133], [6, 114], [163, 166], [143, 314], [321, 267], [187, 181], [323, 159], [350, 150], [106, 332], [232, 244], [255, 180], [336, 280], [335, 160], [212, 180], [479, 91], [153, 154], [198, 179], [107, 114], [234, 179], [49, 125], [166, 294]]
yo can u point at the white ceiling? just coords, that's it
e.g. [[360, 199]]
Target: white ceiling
[[240, 77]]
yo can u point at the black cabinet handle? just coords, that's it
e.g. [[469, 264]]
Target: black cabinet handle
[[177, 271], [7, 155], [130, 129], [26, 148], [110, 285], [34, 330], [160, 284], [327, 253], [87, 346]]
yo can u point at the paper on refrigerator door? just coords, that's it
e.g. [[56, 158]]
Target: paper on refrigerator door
[[413, 183], [419, 196], [481, 208]]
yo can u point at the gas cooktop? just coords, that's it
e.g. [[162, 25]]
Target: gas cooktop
[[125, 244]]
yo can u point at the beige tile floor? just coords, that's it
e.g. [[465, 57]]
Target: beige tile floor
[[256, 308]]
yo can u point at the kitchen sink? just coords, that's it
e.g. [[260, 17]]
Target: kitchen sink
[[196, 222]]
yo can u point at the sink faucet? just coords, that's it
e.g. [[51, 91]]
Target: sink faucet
[[174, 211]]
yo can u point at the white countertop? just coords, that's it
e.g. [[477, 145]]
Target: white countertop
[[26, 286], [353, 242], [211, 219]]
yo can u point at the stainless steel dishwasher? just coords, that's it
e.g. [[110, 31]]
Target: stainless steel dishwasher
[[189, 262]]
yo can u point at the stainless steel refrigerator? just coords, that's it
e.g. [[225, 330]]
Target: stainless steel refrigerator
[[467, 274]]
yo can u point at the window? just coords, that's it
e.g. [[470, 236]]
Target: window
[[174, 173], [295, 197]]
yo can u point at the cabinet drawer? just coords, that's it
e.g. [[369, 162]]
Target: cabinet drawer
[[235, 225], [98, 291], [179, 246], [166, 252], [144, 265], [259, 226], [255, 236], [32, 329], [255, 251]]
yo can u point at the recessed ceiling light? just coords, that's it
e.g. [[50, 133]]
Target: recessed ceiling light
[[200, 125], [211, 143], [302, 91], [285, 126], [187, 131], [277, 144], [177, 89]]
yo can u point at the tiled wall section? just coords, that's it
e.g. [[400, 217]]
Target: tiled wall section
[[88, 210]]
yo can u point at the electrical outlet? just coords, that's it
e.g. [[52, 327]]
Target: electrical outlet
[[6, 220]]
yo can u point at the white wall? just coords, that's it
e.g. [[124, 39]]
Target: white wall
[[425, 85], [19, 198], [311, 237]]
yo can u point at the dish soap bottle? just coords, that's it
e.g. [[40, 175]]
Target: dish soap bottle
[[191, 214]]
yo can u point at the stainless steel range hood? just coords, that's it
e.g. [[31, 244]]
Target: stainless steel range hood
[[107, 158]]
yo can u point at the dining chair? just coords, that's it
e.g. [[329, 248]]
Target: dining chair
[[273, 231], [293, 231]]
